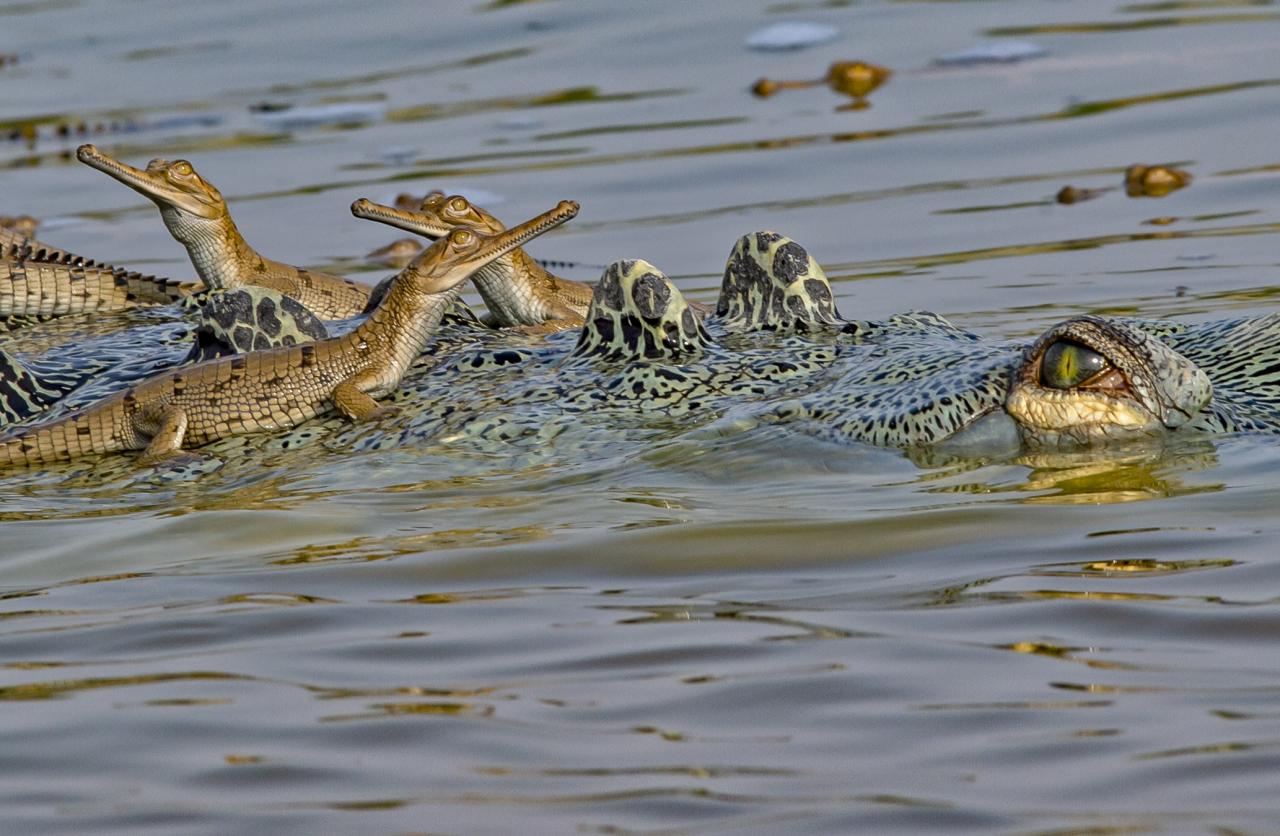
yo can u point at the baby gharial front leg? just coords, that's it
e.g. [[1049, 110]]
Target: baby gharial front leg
[[351, 398], [167, 427]]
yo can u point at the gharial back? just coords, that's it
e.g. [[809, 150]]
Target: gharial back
[[1242, 359]]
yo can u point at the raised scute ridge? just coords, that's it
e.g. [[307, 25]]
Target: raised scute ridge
[[636, 313], [771, 283]]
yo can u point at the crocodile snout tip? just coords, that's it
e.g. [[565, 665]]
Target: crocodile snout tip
[[360, 205], [569, 207], [87, 152]]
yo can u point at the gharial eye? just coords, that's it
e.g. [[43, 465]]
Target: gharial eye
[[182, 168], [460, 237], [1067, 364], [459, 204]]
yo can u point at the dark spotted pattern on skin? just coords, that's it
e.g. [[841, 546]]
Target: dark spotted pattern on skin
[[1242, 362], [771, 283], [636, 312], [916, 381], [251, 319], [28, 390]]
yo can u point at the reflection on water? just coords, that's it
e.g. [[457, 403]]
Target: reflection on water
[[757, 632]]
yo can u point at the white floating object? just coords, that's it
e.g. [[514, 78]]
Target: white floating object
[[397, 155], [793, 35], [995, 52], [311, 116], [518, 123]]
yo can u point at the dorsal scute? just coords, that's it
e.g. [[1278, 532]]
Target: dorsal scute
[[636, 313], [771, 283]]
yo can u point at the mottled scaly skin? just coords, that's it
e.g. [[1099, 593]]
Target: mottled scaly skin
[[1242, 359], [283, 387], [197, 216], [517, 290]]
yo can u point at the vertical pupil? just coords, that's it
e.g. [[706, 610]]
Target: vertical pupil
[[1067, 364]]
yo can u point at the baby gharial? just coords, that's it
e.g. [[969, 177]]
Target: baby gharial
[[278, 388]]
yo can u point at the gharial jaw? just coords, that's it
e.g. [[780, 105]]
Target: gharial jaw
[[172, 185], [462, 251], [1090, 380], [434, 218], [515, 288]]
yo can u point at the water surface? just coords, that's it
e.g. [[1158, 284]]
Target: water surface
[[760, 632]]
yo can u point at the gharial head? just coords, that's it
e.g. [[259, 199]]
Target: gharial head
[[1092, 379], [175, 186], [434, 218], [455, 256]]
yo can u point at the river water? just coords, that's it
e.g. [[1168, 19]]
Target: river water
[[756, 633]]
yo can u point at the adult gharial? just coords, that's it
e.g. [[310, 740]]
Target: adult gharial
[[777, 352]]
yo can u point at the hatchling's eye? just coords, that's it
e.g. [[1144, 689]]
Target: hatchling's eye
[[459, 204], [433, 200], [460, 238], [182, 168], [1068, 364]]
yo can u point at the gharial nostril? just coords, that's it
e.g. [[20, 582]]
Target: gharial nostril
[[86, 152]]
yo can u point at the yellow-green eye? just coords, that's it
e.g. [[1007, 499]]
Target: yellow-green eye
[[459, 204], [182, 168], [1067, 364], [460, 237]]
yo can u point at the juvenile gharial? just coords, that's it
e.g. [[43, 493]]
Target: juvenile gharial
[[197, 216], [42, 369], [268, 390], [515, 288]]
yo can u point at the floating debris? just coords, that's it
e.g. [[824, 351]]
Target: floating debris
[[788, 36], [21, 224], [181, 123], [856, 79], [68, 130], [287, 117], [397, 155], [996, 52], [1153, 180], [518, 123], [1071, 194]]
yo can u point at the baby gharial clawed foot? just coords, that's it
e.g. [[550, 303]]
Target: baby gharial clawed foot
[[357, 404]]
